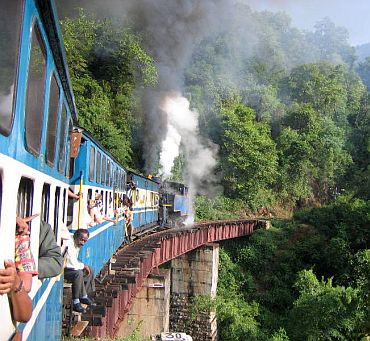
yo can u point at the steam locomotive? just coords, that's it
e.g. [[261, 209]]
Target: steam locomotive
[[44, 155]]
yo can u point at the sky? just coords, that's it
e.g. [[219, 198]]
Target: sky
[[351, 14]]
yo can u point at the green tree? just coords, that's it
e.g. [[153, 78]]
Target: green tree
[[321, 85], [250, 159], [312, 157], [323, 311], [332, 42], [236, 317], [361, 279], [107, 63]]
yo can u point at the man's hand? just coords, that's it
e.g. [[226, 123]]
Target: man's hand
[[87, 269], [22, 223], [9, 279]]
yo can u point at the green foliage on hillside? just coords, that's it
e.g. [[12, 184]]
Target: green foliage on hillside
[[290, 112], [107, 63], [309, 278]]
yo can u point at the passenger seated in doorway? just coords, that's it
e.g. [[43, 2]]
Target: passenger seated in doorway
[[79, 274]]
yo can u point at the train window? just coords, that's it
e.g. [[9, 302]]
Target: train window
[[64, 205], [98, 167], [113, 176], [10, 27], [52, 121], [117, 178], [123, 181], [71, 168], [62, 138], [111, 204], [70, 212], [24, 197], [92, 163], [108, 173], [56, 211], [45, 202], [103, 170], [35, 91], [68, 147]]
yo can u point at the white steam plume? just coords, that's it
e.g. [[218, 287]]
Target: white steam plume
[[182, 126], [170, 150]]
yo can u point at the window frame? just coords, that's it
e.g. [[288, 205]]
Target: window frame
[[92, 163], [6, 131], [27, 122], [98, 167], [49, 161], [61, 154]]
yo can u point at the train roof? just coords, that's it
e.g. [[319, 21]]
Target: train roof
[[89, 136], [50, 20], [152, 179]]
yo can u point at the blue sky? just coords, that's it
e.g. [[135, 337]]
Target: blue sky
[[354, 15]]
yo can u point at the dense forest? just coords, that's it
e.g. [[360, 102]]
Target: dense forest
[[289, 112]]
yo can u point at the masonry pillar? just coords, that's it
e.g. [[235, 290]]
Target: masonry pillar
[[150, 308], [194, 273]]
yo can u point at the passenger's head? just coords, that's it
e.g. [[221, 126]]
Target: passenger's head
[[98, 196], [81, 236]]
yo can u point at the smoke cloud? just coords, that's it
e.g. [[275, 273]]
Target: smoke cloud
[[172, 30]]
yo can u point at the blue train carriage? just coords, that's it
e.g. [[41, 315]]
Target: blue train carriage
[[95, 173], [143, 192], [37, 112]]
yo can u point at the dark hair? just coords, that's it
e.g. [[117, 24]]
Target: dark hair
[[78, 234]]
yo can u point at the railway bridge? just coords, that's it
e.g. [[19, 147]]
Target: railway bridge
[[121, 280]]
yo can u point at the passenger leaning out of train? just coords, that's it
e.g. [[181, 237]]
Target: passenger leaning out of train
[[16, 277], [95, 213], [79, 274], [99, 201]]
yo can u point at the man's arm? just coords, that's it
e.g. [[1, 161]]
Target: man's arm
[[50, 257], [12, 284]]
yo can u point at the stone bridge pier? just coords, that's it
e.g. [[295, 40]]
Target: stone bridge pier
[[162, 303]]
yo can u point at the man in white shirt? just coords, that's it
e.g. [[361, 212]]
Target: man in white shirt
[[79, 274]]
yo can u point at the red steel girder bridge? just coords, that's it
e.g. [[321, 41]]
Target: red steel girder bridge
[[132, 264]]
